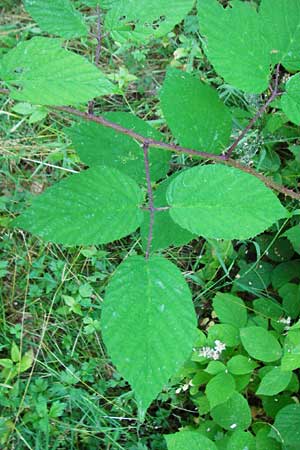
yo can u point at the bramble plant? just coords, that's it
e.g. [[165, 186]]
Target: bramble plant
[[148, 320]]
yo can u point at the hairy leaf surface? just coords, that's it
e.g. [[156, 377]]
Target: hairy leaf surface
[[96, 206], [152, 341], [97, 144], [140, 20], [221, 202], [195, 114], [235, 45], [57, 17], [47, 74]]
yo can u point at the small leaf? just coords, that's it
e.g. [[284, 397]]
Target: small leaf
[[290, 294], [98, 145], [241, 440], [47, 74], [290, 101], [241, 365], [6, 363], [220, 388], [274, 382], [57, 17], [141, 20], [96, 206], [230, 309], [291, 357], [197, 117], [228, 334], [26, 361], [234, 44], [148, 324], [15, 353], [189, 440], [234, 414], [260, 344], [217, 202]]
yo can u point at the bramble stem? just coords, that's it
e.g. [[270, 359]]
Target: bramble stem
[[274, 94], [150, 198]]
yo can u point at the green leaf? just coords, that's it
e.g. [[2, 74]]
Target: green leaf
[[241, 440], [57, 17], [228, 334], [290, 101], [15, 353], [264, 442], [230, 309], [189, 440], [165, 231], [287, 426], [6, 363], [290, 294], [268, 308], [260, 344], [96, 206], [234, 45], [280, 22], [96, 144], [274, 382], [234, 414], [26, 361], [241, 365], [220, 388], [291, 357], [148, 323], [47, 74], [217, 201], [293, 234], [141, 20], [197, 117], [285, 272]]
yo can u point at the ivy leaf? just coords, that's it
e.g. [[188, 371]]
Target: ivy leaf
[[218, 202], [197, 117], [57, 17], [151, 342], [290, 101], [274, 382], [189, 440], [47, 74], [165, 231], [96, 206], [98, 145], [280, 26], [141, 20], [234, 44], [230, 309], [260, 344]]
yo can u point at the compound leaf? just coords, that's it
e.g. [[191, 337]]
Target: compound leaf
[[222, 202], [280, 21], [195, 114], [148, 323], [140, 20], [166, 232], [57, 17], [234, 44], [96, 206], [97, 144], [47, 74]]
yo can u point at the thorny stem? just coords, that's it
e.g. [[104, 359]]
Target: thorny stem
[[97, 53], [150, 198], [274, 94]]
